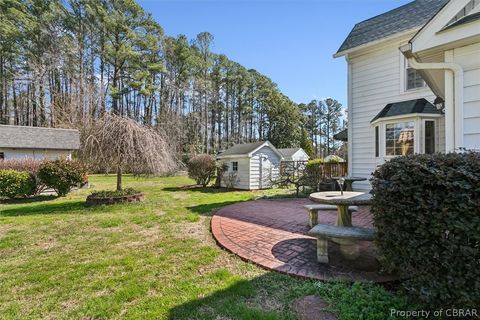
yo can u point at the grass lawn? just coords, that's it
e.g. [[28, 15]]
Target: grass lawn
[[154, 260]]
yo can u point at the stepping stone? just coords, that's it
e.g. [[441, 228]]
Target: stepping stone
[[312, 308]]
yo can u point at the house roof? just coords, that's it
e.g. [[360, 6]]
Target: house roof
[[409, 16], [241, 149], [38, 138], [288, 152], [406, 107]]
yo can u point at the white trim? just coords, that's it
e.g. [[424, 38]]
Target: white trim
[[232, 156], [349, 119], [267, 143], [418, 120], [437, 132], [432, 34], [407, 116]]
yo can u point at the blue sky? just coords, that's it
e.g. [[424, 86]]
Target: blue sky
[[290, 41]]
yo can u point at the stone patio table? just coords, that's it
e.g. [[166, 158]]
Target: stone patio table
[[348, 247], [349, 198], [349, 180]]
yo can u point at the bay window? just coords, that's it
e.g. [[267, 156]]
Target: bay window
[[399, 138]]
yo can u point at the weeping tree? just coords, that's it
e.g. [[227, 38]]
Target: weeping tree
[[126, 146]]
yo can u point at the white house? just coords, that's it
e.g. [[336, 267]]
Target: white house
[[413, 82], [294, 154], [19, 142], [251, 166]]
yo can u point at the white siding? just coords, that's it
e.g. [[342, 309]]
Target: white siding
[[36, 154], [243, 173], [270, 165], [469, 58], [376, 80], [300, 155]]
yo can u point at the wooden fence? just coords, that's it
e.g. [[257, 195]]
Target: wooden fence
[[328, 169]]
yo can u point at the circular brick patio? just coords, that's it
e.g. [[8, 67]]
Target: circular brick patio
[[273, 235]]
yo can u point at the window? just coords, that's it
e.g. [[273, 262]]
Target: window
[[2, 155], [399, 138], [377, 145], [235, 166], [413, 78], [429, 136]]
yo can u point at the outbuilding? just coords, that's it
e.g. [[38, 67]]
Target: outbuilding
[[294, 154], [250, 166], [20, 142]]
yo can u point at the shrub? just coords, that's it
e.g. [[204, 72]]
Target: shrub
[[25, 165], [313, 174], [62, 175], [202, 169], [28, 165], [427, 212], [16, 184]]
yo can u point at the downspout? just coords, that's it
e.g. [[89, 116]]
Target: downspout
[[453, 103]]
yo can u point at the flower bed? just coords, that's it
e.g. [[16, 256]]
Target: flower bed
[[113, 197]]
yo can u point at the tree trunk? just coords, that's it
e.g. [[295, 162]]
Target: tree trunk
[[119, 178]]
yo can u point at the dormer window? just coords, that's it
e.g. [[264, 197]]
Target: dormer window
[[413, 79]]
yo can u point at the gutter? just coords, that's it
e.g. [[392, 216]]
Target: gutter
[[453, 102]]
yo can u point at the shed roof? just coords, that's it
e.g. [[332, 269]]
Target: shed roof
[[406, 107], [409, 16], [288, 152], [241, 149], [38, 138]]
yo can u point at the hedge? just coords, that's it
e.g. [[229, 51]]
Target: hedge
[[427, 212], [15, 183]]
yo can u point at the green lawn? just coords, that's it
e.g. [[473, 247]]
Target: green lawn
[[153, 260]]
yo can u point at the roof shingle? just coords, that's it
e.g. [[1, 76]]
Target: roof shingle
[[38, 138], [242, 149], [406, 17], [406, 107], [288, 152]]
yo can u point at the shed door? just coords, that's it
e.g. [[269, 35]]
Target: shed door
[[265, 169]]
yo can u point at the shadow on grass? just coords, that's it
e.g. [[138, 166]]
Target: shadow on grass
[[201, 189], [210, 208], [242, 300], [44, 208], [39, 198]]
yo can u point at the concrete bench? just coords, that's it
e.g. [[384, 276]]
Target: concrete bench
[[314, 208], [324, 231]]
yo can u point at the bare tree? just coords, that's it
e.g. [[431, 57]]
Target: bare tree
[[126, 145]]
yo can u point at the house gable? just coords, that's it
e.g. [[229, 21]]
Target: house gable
[[447, 29]]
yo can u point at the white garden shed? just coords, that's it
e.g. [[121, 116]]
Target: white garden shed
[[294, 154], [250, 166]]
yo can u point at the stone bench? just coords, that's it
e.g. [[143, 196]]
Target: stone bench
[[314, 208], [323, 232]]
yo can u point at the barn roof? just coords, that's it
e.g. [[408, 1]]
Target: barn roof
[[409, 16], [38, 138]]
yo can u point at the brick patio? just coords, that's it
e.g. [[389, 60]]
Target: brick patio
[[272, 234]]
